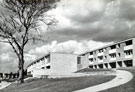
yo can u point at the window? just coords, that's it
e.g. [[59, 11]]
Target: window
[[91, 59], [91, 53], [100, 57], [128, 63], [118, 46], [113, 55], [95, 66], [38, 61], [119, 54], [113, 47], [101, 50], [47, 67], [128, 42], [128, 52], [42, 67], [83, 54], [78, 60], [100, 66], [48, 59], [105, 57]]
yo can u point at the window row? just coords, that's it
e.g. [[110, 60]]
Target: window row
[[111, 47]]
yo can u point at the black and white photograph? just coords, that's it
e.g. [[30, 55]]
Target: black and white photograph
[[67, 45]]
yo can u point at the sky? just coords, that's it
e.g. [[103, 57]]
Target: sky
[[82, 25]]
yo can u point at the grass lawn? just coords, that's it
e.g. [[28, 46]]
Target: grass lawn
[[58, 85], [128, 87], [90, 70]]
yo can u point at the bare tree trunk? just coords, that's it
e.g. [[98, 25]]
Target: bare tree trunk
[[21, 74], [21, 68]]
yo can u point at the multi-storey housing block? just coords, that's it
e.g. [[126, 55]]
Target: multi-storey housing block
[[120, 54]]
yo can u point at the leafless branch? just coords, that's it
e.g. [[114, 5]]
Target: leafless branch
[[22, 19]]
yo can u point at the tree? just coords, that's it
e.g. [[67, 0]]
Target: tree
[[19, 24]]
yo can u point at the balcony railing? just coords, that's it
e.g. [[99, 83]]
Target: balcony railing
[[90, 63], [100, 61], [128, 47], [48, 64], [128, 56], [100, 54], [112, 51], [112, 59], [90, 56]]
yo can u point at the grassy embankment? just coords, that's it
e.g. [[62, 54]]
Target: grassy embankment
[[59, 85]]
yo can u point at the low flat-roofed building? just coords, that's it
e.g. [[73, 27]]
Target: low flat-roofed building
[[57, 64], [120, 54]]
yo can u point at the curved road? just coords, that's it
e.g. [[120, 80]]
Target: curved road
[[122, 77]]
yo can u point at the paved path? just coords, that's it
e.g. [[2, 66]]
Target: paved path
[[122, 77], [4, 84]]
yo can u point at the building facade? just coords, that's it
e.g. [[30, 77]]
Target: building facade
[[57, 64], [121, 54]]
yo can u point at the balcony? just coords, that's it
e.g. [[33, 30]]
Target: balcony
[[128, 47], [48, 64], [128, 56], [90, 63], [100, 61], [100, 54], [112, 59], [112, 51], [90, 56]]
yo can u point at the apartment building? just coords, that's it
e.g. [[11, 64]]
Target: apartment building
[[57, 64], [120, 54]]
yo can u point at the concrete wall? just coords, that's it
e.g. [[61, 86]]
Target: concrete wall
[[39, 72], [84, 63], [60, 64], [63, 63], [133, 51]]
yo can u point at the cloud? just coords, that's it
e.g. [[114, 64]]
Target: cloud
[[71, 46], [8, 59], [127, 10], [83, 25], [85, 11], [5, 47], [99, 20], [8, 62]]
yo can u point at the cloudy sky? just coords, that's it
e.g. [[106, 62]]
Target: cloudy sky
[[82, 25]]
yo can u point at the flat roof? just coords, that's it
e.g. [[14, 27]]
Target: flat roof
[[38, 59], [47, 55], [64, 53], [107, 45]]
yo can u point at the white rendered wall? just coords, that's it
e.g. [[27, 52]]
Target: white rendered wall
[[40, 72], [63, 63], [84, 63]]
